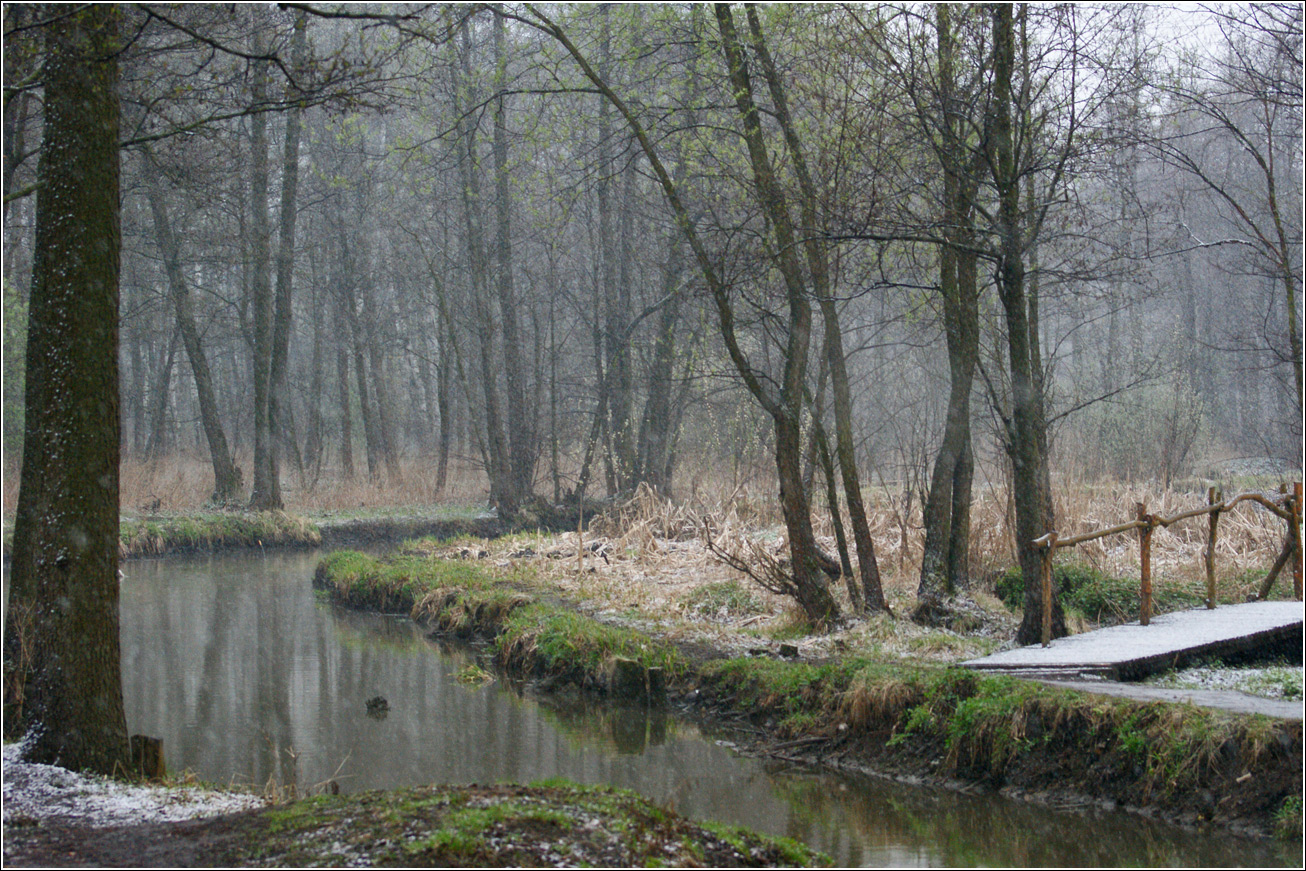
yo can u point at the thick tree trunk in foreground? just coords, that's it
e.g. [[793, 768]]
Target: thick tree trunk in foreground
[[64, 588]]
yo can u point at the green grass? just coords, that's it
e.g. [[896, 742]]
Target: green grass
[[530, 637], [1099, 597], [1287, 819], [157, 535], [397, 583], [792, 853], [981, 724], [557, 642], [503, 825]]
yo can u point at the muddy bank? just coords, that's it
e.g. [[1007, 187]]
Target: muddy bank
[[930, 723]]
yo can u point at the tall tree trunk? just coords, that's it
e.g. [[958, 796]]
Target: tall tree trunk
[[521, 436], [388, 440], [444, 394], [495, 442], [342, 382], [655, 429], [371, 437], [226, 477], [946, 511], [63, 599], [279, 359], [819, 271], [264, 494], [138, 392], [1025, 422], [157, 445], [313, 439], [812, 592]]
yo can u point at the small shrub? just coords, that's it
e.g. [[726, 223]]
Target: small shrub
[[723, 601], [1287, 819]]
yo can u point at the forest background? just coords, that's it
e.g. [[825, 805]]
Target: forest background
[[406, 255]]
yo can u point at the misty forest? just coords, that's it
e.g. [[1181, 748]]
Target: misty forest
[[862, 298]]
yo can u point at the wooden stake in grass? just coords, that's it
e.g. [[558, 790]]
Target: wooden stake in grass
[[1048, 551], [1295, 532], [1145, 547], [1213, 497]]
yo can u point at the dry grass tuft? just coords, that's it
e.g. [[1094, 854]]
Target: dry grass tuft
[[874, 699]]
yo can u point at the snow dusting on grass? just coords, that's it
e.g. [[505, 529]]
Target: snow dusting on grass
[[47, 793], [1282, 682]]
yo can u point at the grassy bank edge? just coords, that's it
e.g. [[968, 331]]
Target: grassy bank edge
[[1195, 763], [221, 530]]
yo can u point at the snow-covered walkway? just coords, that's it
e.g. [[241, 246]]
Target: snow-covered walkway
[[1131, 651]]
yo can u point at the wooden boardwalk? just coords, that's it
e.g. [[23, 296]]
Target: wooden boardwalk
[[1132, 652]]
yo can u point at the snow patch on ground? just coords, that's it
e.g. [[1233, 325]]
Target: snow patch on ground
[[1281, 682], [47, 793]]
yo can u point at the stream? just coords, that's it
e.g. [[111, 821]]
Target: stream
[[252, 679]]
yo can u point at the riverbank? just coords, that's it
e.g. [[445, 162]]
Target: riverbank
[[170, 533], [837, 700], [54, 817]]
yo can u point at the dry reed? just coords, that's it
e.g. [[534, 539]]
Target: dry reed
[[654, 531]]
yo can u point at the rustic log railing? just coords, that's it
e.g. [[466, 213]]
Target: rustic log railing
[[1285, 505]]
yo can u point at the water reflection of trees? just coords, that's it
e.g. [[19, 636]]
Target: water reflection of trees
[[873, 824], [627, 729]]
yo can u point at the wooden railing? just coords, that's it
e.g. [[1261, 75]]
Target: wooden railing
[[1285, 505]]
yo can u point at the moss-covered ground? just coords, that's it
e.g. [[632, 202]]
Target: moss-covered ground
[[542, 825]]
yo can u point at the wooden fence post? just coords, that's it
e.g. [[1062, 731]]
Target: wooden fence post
[[1047, 587], [1212, 497], [1145, 547], [1295, 513]]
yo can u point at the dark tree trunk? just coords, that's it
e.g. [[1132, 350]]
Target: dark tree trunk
[[656, 425], [946, 509], [279, 425], [64, 585], [371, 437], [521, 436], [812, 593], [226, 477], [495, 442], [138, 393], [444, 398], [157, 444], [819, 272], [1025, 423], [264, 494], [342, 382]]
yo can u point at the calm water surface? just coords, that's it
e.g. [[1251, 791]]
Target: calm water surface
[[248, 678]]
